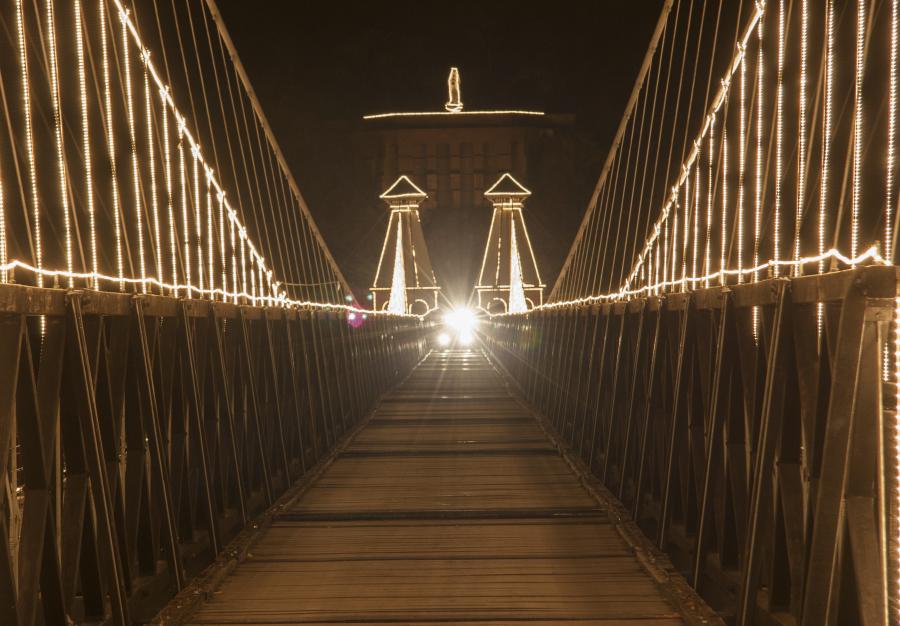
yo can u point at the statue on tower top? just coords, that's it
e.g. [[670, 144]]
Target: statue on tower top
[[454, 104]]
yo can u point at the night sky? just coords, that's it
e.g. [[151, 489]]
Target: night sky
[[317, 67]]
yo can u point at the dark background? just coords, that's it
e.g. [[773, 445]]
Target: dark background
[[318, 67]]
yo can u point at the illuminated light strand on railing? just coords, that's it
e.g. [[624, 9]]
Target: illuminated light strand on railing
[[686, 227], [185, 220], [757, 204], [29, 139], [717, 102], [696, 217], [801, 131], [665, 251], [210, 240], [185, 134], [889, 256], [723, 235], [742, 161], [234, 271], [111, 148], [709, 199], [243, 237], [151, 159], [675, 245], [779, 139], [58, 138], [826, 146], [4, 274], [872, 254], [858, 124], [252, 273], [888, 246], [167, 157], [85, 142], [220, 199], [896, 433], [198, 221], [135, 166], [279, 300]]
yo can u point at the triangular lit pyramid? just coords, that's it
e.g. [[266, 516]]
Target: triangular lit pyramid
[[404, 281], [509, 280]]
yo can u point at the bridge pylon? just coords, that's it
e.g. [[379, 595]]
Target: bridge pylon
[[509, 280], [404, 281]]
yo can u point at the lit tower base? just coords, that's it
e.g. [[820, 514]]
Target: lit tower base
[[509, 280], [404, 281]]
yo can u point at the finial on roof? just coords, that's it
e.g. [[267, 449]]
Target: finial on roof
[[454, 104]]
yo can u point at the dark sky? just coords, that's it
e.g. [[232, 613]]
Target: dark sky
[[315, 65]]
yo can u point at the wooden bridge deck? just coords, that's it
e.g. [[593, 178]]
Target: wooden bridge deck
[[450, 506]]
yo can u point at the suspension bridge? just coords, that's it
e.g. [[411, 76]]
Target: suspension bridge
[[699, 424]]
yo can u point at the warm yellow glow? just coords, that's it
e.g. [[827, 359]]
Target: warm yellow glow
[[892, 138], [198, 221], [707, 257], [757, 213], [167, 158], [58, 137], [151, 158], [4, 275], [801, 133], [454, 96], [85, 142], [517, 303], [29, 141], [872, 254], [742, 162], [858, 125], [185, 220], [135, 167], [779, 138], [210, 239], [397, 302], [430, 113], [723, 235], [111, 148]]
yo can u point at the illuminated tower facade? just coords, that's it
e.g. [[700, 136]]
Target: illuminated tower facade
[[404, 281], [509, 280]]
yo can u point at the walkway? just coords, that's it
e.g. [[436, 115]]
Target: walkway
[[450, 506]]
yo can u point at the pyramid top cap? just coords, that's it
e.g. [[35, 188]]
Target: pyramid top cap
[[507, 187], [403, 187]]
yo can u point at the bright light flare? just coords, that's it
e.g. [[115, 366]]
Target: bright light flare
[[443, 340], [461, 321]]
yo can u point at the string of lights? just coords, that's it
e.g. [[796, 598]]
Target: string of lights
[[872, 255]]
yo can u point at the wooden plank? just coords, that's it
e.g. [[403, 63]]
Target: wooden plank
[[450, 505]]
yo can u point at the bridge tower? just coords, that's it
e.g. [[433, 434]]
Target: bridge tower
[[404, 281], [509, 280]]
